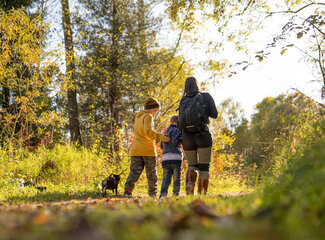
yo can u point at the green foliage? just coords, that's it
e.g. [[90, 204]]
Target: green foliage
[[232, 114], [237, 22], [280, 127], [230, 135], [7, 5], [242, 142], [290, 207], [68, 171], [296, 199], [120, 64], [121, 67], [170, 75], [27, 117], [249, 13], [64, 170], [60, 165]]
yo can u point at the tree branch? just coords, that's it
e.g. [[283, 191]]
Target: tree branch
[[315, 27], [296, 11], [315, 59], [171, 106], [175, 75], [320, 55], [320, 104], [247, 6]]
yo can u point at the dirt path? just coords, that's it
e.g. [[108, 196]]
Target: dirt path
[[99, 200]]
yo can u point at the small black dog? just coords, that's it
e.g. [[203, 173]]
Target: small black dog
[[111, 183]]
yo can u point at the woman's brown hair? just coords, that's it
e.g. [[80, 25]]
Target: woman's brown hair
[[191, 86]]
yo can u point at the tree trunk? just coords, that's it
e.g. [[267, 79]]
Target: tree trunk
[[142, 28], [5, 98], [114, 90], [70, 75]]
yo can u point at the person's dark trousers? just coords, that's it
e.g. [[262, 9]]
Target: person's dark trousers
[[171, 170], [137, 165], [197, 148]]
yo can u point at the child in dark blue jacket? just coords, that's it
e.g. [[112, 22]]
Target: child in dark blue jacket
[[172, 158]]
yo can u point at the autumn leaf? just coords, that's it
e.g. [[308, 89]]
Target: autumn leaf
[[283, 51], [41, 218], [260, 58], [202, 210]]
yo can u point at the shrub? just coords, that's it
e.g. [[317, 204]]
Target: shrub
[[297, 198]]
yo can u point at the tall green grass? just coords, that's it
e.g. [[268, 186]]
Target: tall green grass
[[71, 172], [61, 165], [64, 169], [296, 200]]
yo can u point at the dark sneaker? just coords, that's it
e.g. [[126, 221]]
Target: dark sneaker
[[127, 193]]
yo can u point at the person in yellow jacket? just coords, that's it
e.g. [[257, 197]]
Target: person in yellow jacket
[[143, 149]]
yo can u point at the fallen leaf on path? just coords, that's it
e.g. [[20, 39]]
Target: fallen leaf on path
[[202, 210], [41, 218]]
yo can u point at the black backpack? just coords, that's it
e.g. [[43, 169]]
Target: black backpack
[[193, 115]]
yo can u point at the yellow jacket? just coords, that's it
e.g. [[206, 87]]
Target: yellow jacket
[[144, 136]]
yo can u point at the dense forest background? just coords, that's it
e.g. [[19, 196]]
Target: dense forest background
[[73, 74], [107, 58]]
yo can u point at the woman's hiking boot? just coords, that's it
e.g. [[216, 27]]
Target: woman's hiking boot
[[199, 185], [190, 182], [203, 185]]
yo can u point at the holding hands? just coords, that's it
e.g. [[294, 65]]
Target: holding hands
[[166, 139]]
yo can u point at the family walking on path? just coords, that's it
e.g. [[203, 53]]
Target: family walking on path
[[189, 129]]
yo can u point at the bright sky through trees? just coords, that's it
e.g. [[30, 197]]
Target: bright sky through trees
[[278, 73]]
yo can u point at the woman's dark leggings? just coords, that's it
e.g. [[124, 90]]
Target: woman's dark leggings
[[197, 149]]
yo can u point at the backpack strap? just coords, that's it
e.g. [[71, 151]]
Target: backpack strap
[[199, 97]]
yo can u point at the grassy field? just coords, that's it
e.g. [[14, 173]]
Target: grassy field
[[73, 211], [196, 217], [70, 173], [122, 218], [289, 207]]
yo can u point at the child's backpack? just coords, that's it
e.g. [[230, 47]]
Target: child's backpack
[[192, 113]]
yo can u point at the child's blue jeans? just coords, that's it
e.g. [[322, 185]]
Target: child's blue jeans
[[169, 171]]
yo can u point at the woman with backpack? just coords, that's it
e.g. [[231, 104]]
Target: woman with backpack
[[195, 108]]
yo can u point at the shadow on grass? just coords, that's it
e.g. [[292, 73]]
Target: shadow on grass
[[55, 196]]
